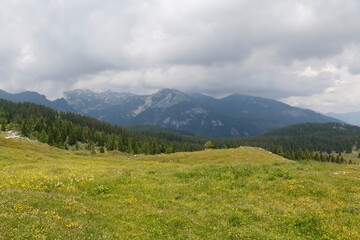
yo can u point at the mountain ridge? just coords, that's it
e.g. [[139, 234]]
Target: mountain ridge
[[235, 115], [34, 97], [349, 117]]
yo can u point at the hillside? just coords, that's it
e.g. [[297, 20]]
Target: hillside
[[156, 129], [349, 117], [69, 130], [321, 129], [316, 137], [34, 97], [233, 116], [243, 193], [333, 142], [72, 131]]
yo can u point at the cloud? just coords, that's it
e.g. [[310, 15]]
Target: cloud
[[297, 51], [340, 96]]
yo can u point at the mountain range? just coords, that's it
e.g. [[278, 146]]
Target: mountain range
[[350, 117], [232, 116], [34, 97]]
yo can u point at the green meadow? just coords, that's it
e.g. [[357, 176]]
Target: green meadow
[[242, 193], [353, 156]]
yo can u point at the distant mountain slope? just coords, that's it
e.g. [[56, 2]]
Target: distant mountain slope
[[156, 129], [253, 108], [324, 137], [86, 101], [350, 117], [232, 116], [34, 97], [64, 129]]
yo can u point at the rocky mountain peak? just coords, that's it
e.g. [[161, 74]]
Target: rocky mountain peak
[[232, 116]]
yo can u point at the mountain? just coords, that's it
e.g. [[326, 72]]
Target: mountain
[[350, 117], [74, 131], [34, 97], [70, 130], [232, 116], [87, 102]]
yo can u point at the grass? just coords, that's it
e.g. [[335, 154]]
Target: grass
[[353, 156], [244, 193]]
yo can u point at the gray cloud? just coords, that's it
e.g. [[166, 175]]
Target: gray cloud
[[290, 50]]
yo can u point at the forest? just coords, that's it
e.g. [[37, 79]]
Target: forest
[[66, 130]]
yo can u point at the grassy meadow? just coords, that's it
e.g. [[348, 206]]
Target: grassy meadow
[[353, 156], [243, 193]]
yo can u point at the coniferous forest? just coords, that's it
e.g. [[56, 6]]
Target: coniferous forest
[[66, 130], [62, 129]]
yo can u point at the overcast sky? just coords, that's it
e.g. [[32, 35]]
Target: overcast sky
[[302, 52]]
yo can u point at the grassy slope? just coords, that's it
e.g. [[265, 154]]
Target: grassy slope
[[353, 156], [245, 193]]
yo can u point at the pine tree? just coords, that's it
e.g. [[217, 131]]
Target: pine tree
[[102, 149], [145, 147], [209, 145], [43, 136], [130, 146]]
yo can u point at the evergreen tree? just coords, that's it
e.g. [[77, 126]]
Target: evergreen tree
[[42, 137], [102, 149], [210, 145], [130, 146], [145, 147]]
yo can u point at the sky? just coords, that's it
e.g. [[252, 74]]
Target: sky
[[303, 52]]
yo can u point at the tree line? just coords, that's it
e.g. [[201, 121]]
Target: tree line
[[64, 129], [69, 130]]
